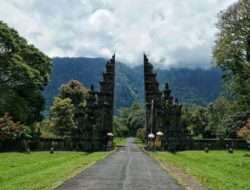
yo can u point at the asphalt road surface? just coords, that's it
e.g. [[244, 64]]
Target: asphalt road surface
[[127, 169]]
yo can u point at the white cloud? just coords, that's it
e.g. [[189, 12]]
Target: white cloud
[[173, 33]]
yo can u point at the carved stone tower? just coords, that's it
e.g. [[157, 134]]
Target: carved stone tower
[[152, 95], [105, 100], [163, 112]]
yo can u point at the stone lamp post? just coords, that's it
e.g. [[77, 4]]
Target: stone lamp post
[[151, 138], [110, 141], [158, 140]]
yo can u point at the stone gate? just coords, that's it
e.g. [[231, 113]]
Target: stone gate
[[163, 112]]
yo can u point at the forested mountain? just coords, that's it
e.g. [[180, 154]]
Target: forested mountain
[[190, 86], [196, 86]]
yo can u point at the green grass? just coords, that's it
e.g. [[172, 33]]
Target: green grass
[[217, 170], [42, 170], [119, 141]]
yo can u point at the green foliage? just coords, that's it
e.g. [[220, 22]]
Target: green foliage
[[237, 119], [69, 110], [46, 128], [42, 170], [10, 130], [136, 118], [24, 71], [210, 121], [62, 115], [197, 121], [232, 54], [119, 128], [141, 134], [129, 120], [75, 91], [218, 113], [120, 141], [244, 132], [217, 170]]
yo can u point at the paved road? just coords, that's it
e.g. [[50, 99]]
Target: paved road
[[127, 169]]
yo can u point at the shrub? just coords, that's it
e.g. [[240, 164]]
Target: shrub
[[10, 129], [141, 133], [244, 132]]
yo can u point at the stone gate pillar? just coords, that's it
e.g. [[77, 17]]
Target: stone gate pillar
[[105, 102], [166, 116]]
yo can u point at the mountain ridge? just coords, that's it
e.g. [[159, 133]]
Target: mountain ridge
[[199, 86]]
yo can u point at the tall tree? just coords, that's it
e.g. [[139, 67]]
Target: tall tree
[[78, 94], [232, 54], [69, 112], [74, 90], [24, 71], [62, 116]]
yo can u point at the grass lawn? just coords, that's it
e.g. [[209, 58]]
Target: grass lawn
[[119, 141], [217, 170], [42, 170]]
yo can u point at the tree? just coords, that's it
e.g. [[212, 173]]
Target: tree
[[244, 132], [136, 118], [45, 128], [218, 113], [211, 121], [236, 121], [196, 119], [75, 91], [24, 71], [78, 94], [232, 54], [141, 134], [69, 112], [10, 130], [199, 122], [232, 51], [129, 120], [120, 130], [62, 116]]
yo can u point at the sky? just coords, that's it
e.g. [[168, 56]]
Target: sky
[[173, 33]]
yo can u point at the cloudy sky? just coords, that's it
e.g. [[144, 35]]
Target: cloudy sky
[[174, 33]]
